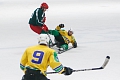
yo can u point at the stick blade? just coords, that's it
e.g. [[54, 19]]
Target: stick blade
[[105, 62]]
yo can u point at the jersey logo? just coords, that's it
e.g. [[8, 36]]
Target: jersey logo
[[56, 57]]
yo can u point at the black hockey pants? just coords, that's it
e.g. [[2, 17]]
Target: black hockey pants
[[33, 75], [59, 40]]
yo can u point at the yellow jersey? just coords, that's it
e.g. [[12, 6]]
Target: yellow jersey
[[68, 39], [39, 57]]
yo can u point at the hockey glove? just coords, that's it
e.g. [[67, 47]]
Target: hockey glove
[[61, 25], [75, 44], [45, 28], [68, 71], [44, 19]]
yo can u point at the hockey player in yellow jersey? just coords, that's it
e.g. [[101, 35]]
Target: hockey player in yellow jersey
[[36, 59], [63, 37]]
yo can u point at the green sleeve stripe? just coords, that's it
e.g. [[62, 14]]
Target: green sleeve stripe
[[22, 67], [58, 69]]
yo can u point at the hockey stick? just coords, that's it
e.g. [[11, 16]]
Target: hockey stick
[[102, 67], [50, 40]]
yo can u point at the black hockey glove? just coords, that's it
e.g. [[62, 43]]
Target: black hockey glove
[[68, 71], [61, 25], [75, 44]]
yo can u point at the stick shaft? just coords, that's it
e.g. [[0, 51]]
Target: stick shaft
[[102, 67]]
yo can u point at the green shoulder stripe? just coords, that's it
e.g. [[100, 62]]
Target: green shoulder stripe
[[56, 57]]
